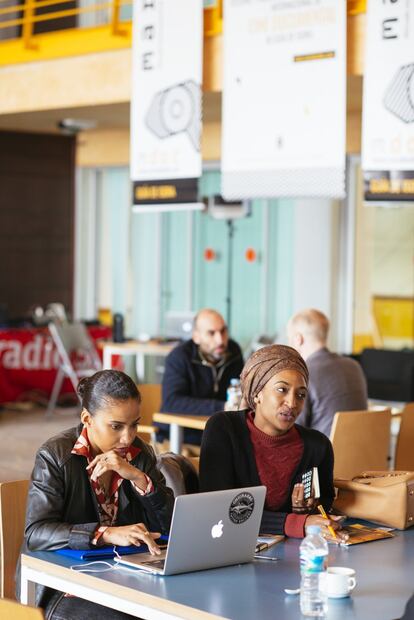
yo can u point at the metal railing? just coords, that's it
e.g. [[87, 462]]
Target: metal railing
[[357, 6], [29, 17], [25, 16]]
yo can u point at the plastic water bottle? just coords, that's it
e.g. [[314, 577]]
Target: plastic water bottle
[[313, 561], [234, 395]]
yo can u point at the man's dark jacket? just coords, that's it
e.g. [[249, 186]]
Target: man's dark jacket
[[192, 385], [62, 509]]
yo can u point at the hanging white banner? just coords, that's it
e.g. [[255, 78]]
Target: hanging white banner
[[388, 110], [166, 104], [284, 98]]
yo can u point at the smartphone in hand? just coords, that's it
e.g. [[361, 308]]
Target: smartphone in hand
[[310, 481]]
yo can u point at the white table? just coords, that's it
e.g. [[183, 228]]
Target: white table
[[178, 422], [384, 571], [118, 592], [137, 348]]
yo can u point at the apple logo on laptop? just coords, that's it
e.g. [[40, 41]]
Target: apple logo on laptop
[[217, 530]]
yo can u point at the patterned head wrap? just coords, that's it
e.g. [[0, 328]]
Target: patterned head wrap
[[264, 364]]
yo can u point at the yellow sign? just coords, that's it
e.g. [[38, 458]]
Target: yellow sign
[[155, 192], [391, 186]]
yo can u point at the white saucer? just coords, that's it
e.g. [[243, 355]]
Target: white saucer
[[344, 595]]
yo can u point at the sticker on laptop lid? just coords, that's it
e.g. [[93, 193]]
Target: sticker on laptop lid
[[241, 507]]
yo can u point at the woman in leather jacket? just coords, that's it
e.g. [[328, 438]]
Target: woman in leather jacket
[[96, 484]]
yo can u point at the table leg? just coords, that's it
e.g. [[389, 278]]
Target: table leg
[[27, 589], [140, 367], [176, 438], [107, 358]]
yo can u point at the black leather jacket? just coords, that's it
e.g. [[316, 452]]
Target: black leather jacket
[[62, 509]]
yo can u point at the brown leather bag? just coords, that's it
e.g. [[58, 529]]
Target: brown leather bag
[[386, 497]]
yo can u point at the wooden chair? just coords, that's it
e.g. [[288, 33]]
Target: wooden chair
[[13, 497], [195, 460], [15, 611], [361, 441], [151, 402], [404, 452]]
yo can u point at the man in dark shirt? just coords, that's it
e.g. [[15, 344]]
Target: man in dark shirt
[[198, 372], [336, 383]]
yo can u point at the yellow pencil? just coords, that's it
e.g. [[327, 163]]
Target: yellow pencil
[[325, 516]]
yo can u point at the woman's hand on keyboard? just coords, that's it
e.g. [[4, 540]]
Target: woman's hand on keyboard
[[132, 535]]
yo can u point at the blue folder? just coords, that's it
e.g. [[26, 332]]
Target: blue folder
[[101, 553]]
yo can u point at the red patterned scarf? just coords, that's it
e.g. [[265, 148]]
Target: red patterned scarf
[[107, 502]]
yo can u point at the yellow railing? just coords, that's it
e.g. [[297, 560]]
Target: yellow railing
[[30, 18], [357, 6], [26, 45], [213, 16], [213, 19]]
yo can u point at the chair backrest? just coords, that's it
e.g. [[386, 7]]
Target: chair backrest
[[404, 452], [74, 337], [16, 611], [195, 460], [361, 441], [13, 496], [151, 401]]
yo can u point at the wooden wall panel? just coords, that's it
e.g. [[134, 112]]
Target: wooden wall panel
[[36, 220]]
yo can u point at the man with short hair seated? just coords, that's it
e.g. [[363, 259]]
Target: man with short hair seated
[[336, 383], [198, 372]]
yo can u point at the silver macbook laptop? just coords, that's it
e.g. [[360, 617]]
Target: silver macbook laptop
[[208, 530], [178, 325]]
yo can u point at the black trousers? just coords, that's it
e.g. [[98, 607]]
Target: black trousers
[[73, 608]]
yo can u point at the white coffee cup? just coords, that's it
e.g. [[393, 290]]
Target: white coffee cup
[[339, 581]]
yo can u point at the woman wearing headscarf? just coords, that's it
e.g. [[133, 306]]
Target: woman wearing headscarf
[[261, 444]]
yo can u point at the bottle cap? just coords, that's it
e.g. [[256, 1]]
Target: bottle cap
[[234, 382]]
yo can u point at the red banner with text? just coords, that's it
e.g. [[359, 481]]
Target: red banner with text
[[29, 361]]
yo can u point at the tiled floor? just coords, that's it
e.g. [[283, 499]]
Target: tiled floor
[[23, 432]]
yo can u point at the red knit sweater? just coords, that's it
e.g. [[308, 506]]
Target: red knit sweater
[[277, 458]]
